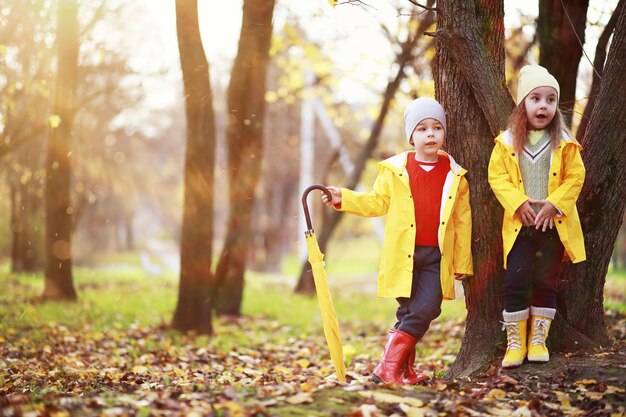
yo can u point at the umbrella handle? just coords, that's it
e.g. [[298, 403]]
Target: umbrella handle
[[306, 206]]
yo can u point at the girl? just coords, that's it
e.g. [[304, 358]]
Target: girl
[[427, 233], [536, 173]]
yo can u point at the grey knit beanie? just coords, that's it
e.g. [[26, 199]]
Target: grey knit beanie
[[420, 109]]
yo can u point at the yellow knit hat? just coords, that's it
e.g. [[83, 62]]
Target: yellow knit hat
[[533, 76]]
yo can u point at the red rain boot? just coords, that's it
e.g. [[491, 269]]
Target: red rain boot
[[398, 348], [411, 377]]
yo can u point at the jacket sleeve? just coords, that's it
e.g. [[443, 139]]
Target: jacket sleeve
[[501, 183], [462, 216], [565, 196], [368, 204]]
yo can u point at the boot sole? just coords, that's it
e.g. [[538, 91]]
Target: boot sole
[[421, 380], [538, 359], [511, 364], [377, 379]]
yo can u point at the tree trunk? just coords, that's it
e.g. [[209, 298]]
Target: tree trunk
[[193, 309], [601, 204], [23, 207], [16, 230], [469, 139], [129, 232], [246, 109], [574, 328], [59, 284], [561, 30], [598, 69], [305, 284]]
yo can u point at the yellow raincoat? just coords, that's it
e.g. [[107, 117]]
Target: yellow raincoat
[[567, 174], [391, 195]]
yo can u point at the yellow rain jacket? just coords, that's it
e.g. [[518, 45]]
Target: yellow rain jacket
[[567, 174], [391, 195]]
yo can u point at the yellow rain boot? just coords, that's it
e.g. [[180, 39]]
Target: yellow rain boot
[[515, 324], [540, 320]]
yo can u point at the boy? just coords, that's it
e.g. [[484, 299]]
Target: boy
[[427, 233]]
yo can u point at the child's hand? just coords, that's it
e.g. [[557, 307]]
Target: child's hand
[[545, 217], [526, 213], [335, 192], [459, 277]]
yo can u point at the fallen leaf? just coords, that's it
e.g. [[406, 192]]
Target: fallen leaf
[[139, 370], [300, 398], [503, 412], [412, 411], [392, 399], [365, 410], [508, 380], [233, 408], [523, 411], [586, 382], [496, 394], [303, 363], [563, 398], [593, 395], [610, 389]]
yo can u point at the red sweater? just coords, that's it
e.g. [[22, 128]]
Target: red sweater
[[426, 189]]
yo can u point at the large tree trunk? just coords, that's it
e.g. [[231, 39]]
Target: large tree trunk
[[58, 272], [469, 139], [305, 284], [561, 30], [598, 68], [574, 327], [601, 204], [246, 108], [193, 310]]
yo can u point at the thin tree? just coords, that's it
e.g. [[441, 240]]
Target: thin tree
[[246, 109], [561, 33], [193, 310], [601, 204], [58, 283], [598, 68]]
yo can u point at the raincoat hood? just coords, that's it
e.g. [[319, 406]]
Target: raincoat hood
[[397, 163]]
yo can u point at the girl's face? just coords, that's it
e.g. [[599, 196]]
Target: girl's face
[[540, 107], [427, 139]]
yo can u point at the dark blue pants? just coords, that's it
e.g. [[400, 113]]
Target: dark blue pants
[[532, 270], [414, 314]]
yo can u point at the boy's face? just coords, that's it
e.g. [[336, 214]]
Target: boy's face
[[427, 138], [540, 107]]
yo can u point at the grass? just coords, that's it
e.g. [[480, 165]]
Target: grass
[[615, 291], [122, 296]]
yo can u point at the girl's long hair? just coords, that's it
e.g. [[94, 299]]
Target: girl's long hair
[[518, 125]]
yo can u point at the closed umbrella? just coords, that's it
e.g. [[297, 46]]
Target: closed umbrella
[[329, 318]]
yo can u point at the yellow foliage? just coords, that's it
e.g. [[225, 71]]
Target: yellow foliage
[[278, 45], [54, 120], [271, 97]]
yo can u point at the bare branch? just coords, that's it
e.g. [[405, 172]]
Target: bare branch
[[431, 9], [97, 16]]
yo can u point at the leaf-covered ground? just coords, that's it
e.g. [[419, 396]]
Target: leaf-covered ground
[[267, 368]]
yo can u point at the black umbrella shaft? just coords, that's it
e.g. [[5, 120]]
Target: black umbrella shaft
[[306, 206]]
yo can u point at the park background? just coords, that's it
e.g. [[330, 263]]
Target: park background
[[97, 119]]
